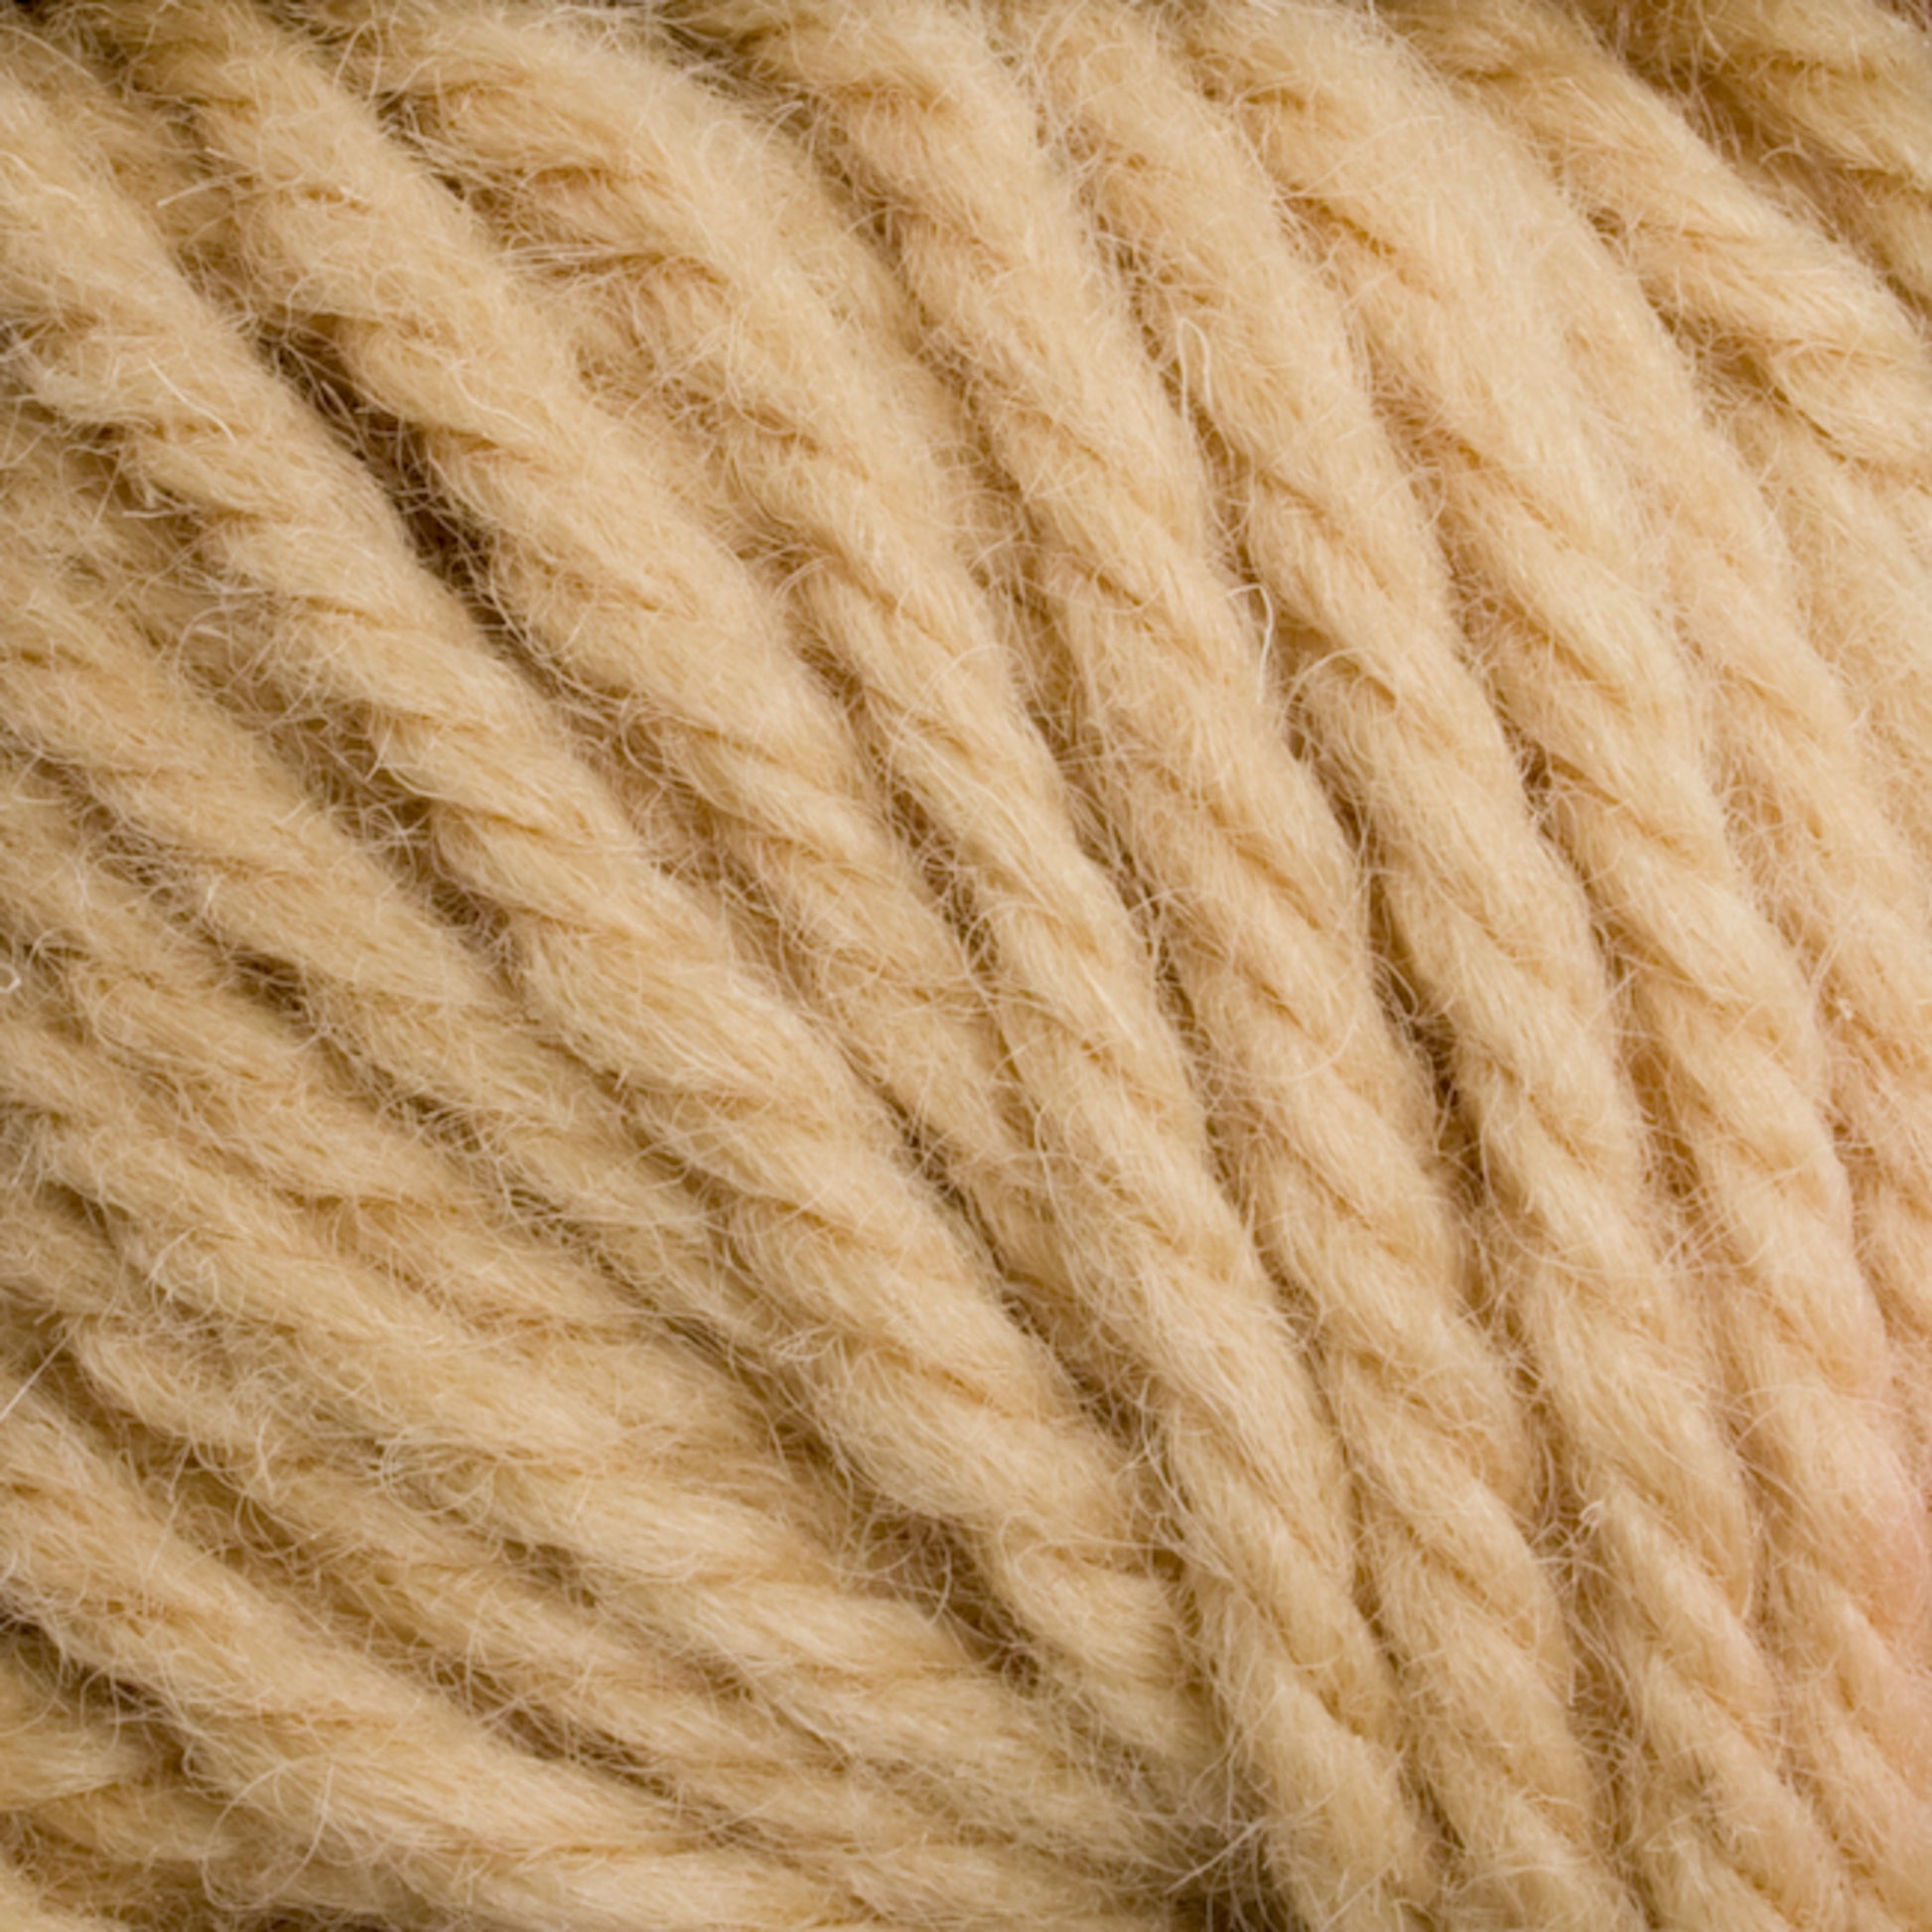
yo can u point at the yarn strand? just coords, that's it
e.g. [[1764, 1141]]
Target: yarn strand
[[631, 968]]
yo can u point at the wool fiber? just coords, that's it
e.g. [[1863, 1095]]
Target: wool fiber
[[966, 964]]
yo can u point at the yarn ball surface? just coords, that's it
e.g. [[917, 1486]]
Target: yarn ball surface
[[966, 964]]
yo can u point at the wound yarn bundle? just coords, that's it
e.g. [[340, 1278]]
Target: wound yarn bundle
[[967, 963]]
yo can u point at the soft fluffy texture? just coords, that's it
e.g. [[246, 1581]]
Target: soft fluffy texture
[[965, 965]]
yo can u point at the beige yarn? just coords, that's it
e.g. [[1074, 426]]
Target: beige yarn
[[965, 965]]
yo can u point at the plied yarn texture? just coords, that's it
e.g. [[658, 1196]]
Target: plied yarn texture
[[965, 965]]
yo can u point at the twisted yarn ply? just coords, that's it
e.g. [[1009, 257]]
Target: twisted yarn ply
[[965, 964]]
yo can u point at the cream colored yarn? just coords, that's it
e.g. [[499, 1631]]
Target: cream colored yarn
[[967, 963]]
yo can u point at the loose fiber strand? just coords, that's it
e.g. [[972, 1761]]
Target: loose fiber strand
[[31, 1911]]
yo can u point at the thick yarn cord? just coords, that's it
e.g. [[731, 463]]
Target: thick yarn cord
[[1724, 1015], [444, 1595], [965, 965], [1848, 379], [1117, 1134], [866, 916], [109, 1789], [126, 704], [627, 964], [1406, 1374], [1827, 98]]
